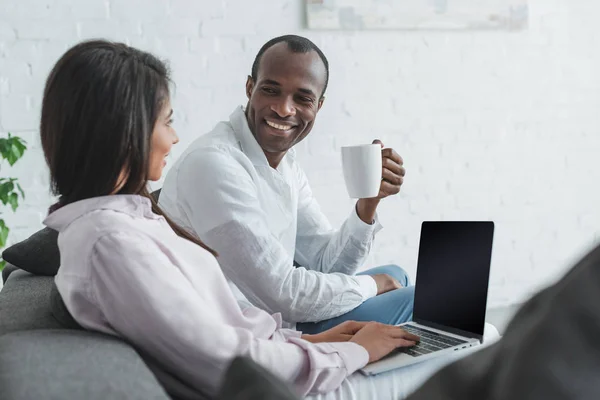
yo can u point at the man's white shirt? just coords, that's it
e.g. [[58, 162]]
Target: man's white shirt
[[260, 220]]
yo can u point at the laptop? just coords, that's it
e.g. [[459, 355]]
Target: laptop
[[451, 288]]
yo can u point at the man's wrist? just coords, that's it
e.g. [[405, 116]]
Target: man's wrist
[[366, 209]]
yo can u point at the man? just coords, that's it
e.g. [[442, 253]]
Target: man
[[241, 190]]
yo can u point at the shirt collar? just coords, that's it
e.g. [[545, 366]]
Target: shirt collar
[[134, 205], [250, 146]]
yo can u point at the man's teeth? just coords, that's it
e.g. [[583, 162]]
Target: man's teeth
[[280, 127]]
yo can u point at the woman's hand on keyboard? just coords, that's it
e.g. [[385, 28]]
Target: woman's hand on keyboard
[[341, 333], [380, 339]]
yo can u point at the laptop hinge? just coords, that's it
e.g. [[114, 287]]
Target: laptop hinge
[[449, 329]]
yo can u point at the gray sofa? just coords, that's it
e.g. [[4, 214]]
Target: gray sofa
[[42, 357], [45, 354]]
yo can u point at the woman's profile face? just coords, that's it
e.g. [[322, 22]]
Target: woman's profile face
[[163, 138]]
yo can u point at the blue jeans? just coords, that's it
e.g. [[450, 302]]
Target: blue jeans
[[392, 308]]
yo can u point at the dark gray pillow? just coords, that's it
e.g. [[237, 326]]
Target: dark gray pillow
[[246, 380], [38, 254]]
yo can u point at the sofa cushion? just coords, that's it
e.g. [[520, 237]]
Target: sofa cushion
[[38, 254], [246, 380], [25, 303], [69, 364]]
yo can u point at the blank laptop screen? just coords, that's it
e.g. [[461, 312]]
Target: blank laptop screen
[[452, 274]]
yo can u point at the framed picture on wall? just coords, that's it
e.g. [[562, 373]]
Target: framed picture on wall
[[417, 14]]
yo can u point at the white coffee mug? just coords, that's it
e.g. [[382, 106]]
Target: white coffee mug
[[362, 170]]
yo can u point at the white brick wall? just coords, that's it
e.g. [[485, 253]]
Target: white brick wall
[[492, 125]]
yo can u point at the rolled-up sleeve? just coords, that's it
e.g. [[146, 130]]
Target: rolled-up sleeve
[[322, 248]]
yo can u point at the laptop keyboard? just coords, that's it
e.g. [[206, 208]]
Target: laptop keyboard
[[430, 341]]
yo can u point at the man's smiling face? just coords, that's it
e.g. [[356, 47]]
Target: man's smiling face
[[285, 98]]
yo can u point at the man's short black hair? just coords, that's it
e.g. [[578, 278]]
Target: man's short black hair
[[296, 44]]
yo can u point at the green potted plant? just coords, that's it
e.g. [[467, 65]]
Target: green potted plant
[[12, 149]]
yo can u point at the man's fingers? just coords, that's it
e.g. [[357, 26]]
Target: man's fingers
[[377, 141], [390, 177], [391, 154], [393, 166], [387, 189]]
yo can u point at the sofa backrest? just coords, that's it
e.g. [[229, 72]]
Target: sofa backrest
[[8, 269], [45, 357], [25, 303], [72, 364]]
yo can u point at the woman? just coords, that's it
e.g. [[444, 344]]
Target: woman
[[127, 270]]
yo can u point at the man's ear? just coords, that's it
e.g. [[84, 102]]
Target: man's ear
[[321, 100], [249, 87]]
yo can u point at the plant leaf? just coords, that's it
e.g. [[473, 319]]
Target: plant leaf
[[3, 233], [21, 191], [13, 155], [12, 148], [5, 190], [20, 143], [18, 149], [4, 147], [13, 199]]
